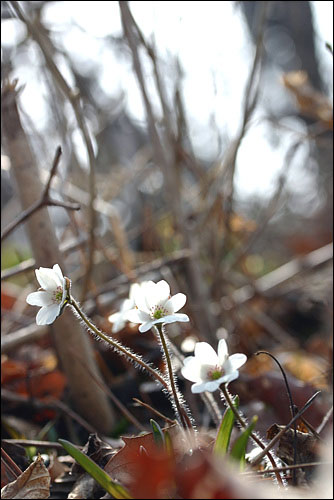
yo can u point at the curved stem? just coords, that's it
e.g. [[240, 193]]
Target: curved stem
[[117, 345], [292, 409], [253, 436], [183, 419]]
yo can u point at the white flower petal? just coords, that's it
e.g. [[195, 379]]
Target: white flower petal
[[146, 326], [162, 290], [136, 316], [172, 318], [212, 385], [47, 278], [229, 377], [206, 354], [200, 387], [176, 302], [118, 326], [59, 273], [40, 299], [47, 315], [134, 289], [222, 351], [191, 369], [141, 294], [127, 305], [114, 317], [236, 360]]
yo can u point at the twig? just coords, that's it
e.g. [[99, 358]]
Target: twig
[[286, 467], [282, 274], [14, 467], [325, 420], [164, 160], [153, 410], [34, 442], [250, 101], [282, 431], [73, 96], [44, 201], [30, 264], [53, 404], [279, 334]]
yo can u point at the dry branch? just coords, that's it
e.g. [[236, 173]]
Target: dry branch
[[73, 96], [44, 201]]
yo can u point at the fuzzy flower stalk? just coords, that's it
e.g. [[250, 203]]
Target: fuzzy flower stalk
[[155, 307]]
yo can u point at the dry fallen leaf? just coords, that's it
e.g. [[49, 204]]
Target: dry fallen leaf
[[33, 483]]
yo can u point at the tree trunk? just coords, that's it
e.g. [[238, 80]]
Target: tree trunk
[[89, 399]]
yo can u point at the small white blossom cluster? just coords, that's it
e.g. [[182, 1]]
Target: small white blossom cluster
[[148, 304]]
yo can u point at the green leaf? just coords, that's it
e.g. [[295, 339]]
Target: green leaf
[[168, 444], [100, 476], [158, 435], [239, 448], [225, 430]]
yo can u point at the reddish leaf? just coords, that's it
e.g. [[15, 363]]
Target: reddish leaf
[[145, 469]]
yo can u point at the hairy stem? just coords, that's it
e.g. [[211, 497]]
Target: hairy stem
[[118, 346], [184, 421]]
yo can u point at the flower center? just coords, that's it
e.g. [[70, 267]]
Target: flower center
[[58, 295], [215, 373], [158, 312]]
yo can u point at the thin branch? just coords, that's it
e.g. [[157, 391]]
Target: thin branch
[[153, 410], [54, 404], [44, 201], [14, 467], [34, 442], [260, 456], [286, 467], [73, 96], [270, 281], [30, 264], [325, 420]]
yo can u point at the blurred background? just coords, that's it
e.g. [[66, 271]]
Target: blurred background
[[210, 126]]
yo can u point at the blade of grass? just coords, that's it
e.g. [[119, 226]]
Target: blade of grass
[[239, 448], [158, 435], [100, 476], [168, 444], [225, 430]]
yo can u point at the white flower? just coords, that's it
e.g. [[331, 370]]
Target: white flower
[[119, 318], [51, 296], [208, 369], [154, 304]]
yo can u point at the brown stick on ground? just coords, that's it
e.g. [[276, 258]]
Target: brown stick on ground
[[90, 401]]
